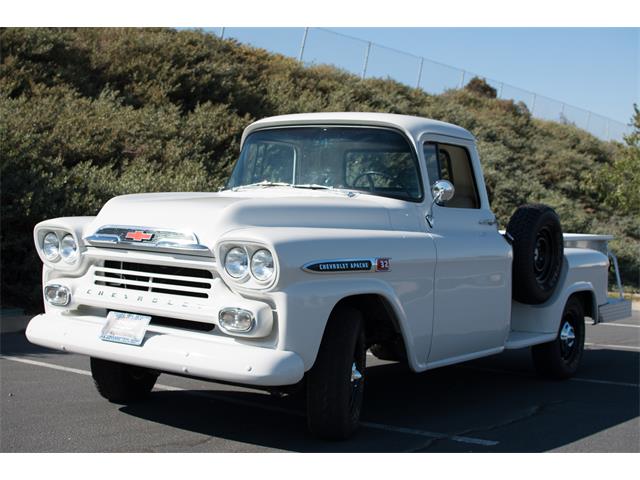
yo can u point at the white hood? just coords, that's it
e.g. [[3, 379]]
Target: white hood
[[209, 215]]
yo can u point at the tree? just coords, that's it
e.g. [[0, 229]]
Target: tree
[[620, 180], [480, 86]]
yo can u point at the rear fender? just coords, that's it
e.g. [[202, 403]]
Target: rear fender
[[582, 271]]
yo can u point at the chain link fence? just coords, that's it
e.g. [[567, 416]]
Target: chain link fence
[[316, 46]]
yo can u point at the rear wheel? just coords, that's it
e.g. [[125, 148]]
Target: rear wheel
[[561, 358], [121, 383], [335, 384]]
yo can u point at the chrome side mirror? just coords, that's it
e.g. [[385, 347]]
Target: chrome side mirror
[[441, 191]]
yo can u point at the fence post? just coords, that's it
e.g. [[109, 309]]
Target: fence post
[[588, 120], [420, 72], [533, 104], [221, 33], [562, 117], [304, 41], [500, 92], [462, 79], [366, 60]]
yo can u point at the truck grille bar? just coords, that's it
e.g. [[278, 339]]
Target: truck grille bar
[[186, 282]]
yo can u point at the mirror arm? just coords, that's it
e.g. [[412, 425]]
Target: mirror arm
[[429, 216], [441, 190]]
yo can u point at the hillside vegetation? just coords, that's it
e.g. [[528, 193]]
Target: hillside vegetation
[[91, 113]]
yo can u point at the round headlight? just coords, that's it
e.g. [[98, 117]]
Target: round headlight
[[51, 246], [262, 265], [68, 249], [236, 262]]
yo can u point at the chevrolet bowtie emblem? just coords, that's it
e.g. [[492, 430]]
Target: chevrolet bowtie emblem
[[139, 236]]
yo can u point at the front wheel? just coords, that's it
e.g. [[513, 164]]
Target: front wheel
[[120, 383], [335, 383], [560, 359]]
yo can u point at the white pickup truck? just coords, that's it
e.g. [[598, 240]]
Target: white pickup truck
[[336, 233]]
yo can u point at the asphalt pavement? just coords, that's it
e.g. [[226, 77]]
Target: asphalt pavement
[[497, 404]]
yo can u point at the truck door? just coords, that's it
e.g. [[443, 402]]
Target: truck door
[[472, 298]]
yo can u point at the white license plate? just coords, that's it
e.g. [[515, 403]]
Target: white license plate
[[126, 328]]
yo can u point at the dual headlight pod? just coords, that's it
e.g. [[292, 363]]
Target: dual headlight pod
[[55, 248], [239, 262]]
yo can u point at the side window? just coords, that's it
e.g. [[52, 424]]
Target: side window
[[451, 162], [431, 156]]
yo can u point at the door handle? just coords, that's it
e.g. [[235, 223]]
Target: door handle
[[489, 221]]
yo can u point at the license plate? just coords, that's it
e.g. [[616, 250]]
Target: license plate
[[126, 328]]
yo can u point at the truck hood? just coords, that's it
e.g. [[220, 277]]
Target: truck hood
[[210, 215]]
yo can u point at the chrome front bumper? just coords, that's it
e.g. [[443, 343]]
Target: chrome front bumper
[[171, 351]]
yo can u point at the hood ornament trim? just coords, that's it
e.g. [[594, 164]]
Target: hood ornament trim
[[149, 239]]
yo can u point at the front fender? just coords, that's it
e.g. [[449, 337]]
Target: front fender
[[304, 300], [304, 309]]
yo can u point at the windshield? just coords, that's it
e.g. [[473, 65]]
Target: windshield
[[374, 160]]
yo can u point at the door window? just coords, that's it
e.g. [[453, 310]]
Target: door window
[[452, 163]]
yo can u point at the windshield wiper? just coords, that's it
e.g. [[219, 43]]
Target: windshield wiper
[[312, 186], [264, 183]]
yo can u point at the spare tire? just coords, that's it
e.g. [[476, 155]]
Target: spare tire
[[538, 249]]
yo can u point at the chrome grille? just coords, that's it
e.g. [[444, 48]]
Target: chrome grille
[[186, 282]]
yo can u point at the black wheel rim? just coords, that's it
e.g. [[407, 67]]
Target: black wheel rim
[[543, 254]]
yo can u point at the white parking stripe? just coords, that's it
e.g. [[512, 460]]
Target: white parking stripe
[[605, 382], [614, 347], [378, 426], [531, 375], [630, 325], [47, 365], [442, 436]]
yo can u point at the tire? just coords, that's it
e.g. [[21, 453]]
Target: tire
[[120, 383], [538, 252], [560, 359], [335, 384]]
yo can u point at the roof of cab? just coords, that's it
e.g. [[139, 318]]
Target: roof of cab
[[413, 126]]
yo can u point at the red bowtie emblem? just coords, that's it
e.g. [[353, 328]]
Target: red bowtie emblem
[[139, 236]]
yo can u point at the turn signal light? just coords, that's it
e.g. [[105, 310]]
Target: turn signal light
[[57, 295], [236, 320]]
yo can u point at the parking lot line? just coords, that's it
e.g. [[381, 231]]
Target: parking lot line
[[605, 382], [441, 436], [527, 374], [373, 425], [628, 325], [614, 347], [46, 365]]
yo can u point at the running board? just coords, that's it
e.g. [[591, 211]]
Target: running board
[[526, 339], [614, 309]]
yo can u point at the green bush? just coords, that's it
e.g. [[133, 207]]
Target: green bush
[[87, 114]]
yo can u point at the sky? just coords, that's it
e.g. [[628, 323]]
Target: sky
[[596, 69]]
